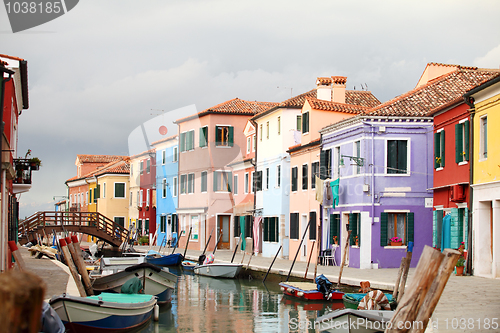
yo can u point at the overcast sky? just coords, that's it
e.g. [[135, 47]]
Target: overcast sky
[[107, 66]]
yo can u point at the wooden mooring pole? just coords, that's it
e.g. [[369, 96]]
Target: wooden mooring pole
[[72, 267], [343, 256], [76, 254], [309, 260], [298, 250], [265, 277], [402, 284]]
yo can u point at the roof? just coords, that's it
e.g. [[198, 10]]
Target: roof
[[234, 106], [121, 166], [299, 146], [98, 158], [319, 104], [172, 137], [431, 97], [144, 153]]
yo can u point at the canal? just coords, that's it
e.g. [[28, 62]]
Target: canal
[[204, 304]]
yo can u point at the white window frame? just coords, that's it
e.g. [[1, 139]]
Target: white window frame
[[267, 130], [483, 138], [147, 197], [103, 190], [141, 198], [249, 144], [267, 175], [174, 186], [278, 176], [190, 189], [175, 154], [247, 183], [164, 188], [279, 125], [235, 184], [254, 147]]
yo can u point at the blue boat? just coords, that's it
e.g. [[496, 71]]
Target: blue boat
[[106, 312], [174, 259]]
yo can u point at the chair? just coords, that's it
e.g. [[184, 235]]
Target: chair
[[329, 256]]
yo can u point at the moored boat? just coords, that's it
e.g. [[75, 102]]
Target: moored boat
[[308, 291], [103, 313], [155, 281], [188, 265], [219, 270], [112, 265], [351, 321], [173, 259], [351, 300]]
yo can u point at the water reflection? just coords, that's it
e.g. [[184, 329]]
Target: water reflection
[[204, 304]]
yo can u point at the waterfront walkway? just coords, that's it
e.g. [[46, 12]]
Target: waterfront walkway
[[468, 303]]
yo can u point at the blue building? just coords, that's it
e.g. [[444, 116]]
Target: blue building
[[167, 166]]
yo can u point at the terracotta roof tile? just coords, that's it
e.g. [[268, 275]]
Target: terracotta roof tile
[[319, 104], [424, 100], [98, 158], [354, 97], [144, 153], [164, 139], [234, 106], [117, 167]]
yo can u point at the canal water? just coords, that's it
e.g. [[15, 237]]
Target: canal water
[[204, 304]]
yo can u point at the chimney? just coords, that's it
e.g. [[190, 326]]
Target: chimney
[[324, 88], [338, 89]]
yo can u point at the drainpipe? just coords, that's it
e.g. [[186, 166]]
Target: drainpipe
[[255, 172], [469, 100], [3, 222]]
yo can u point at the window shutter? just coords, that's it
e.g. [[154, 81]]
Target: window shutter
[[402, 156], [305, 122], [266, 229], [392, 156], [183, 141], [353, 227], [229, 176], [466, 139], [202, 137], [442, 148], [322, 164], [231, 136], [216, 181], [312, 225], [384, 217], [294, 179], [97, 192], [410, 226], [272, 229], [458, 143], [218, 138], [437, 151], [304, 177]]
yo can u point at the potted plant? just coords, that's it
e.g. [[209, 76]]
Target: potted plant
[[460, 266], [35, 163], [396, 241], [335, 240], [356, 240], [144, 240]]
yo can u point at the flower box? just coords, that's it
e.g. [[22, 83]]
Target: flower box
[[400, 243]]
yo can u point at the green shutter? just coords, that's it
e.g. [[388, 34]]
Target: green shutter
[[183, 141], [353, 227], [334, 227], [266, 229], [437, 151], [229, 181], [322, 164], [305, 122], [443, 145], [312, 225], [202, 137], [458, 143], [231, 136], [402, 156], [466, 139], [384, 217], [410, 227]]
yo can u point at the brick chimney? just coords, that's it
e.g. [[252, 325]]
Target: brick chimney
[[338, 89], [324, 88]]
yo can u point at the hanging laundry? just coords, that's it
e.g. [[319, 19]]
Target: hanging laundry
[[327, 196], [319, 189], [335, 192], [256, 233]]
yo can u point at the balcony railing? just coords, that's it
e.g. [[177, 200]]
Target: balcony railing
[[22, 178]]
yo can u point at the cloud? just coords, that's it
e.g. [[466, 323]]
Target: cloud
[[490, 59]]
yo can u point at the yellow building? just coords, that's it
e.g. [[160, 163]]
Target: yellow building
[[485, 103]]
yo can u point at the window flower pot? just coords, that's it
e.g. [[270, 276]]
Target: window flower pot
[[400, 243], [460, 270]]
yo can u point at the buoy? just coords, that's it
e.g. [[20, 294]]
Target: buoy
[[300, 293], [156, 312], [282, 288]]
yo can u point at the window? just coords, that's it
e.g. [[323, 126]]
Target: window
[[163, 222], [267, 178], [138, 198], [314, 173], [396, 225], [305, 122], [325, 163], [261, 131], [462, 142], [257, 181], [119, 220], [355, 227], [249, 144], [483, 140], [164, 188], [141, 167], [174, 186], [86, 197], [141, 197], [191, 183], [148, 166], [235, 184], [334, 229], [103, 190], [163, 156], [278, 176], [294, 179], [186, 141], [224, 136], [279, 125], [203, 136], [131, 198], [357, 153], [299, 122], [147, 197], [248, 225], [336, 162], [254, 142], [175, 154], [203, 181], [119, 190], [146, 226], [312, 225], [267, 130], [397, 156], [222, 181], [271, 229], [439, 144], [183, 184], [294, 225], [246, 183], [305, 176]]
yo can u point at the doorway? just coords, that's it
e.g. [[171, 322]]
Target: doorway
[[224, 231]]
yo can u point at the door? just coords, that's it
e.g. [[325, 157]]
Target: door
[[223, 227]]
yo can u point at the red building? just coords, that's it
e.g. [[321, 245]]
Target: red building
[[146, 222]]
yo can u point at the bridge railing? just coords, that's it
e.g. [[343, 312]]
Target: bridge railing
[[95, 220]]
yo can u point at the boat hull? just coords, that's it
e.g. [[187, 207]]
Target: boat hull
[[188, 265], [168, 260], [354, 321], [308, 291], [219, 270], [351, 301], [119, 312], [155, 281]]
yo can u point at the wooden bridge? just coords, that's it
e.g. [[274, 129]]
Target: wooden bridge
[[90, 223]]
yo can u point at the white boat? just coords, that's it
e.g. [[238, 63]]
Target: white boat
[[103, 313], [219, 270], [350, 320], [112, 265], [155, 280]]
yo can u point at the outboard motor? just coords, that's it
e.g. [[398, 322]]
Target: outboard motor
[[323, 285], [201, 259]]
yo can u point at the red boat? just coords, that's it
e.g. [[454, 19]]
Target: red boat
[[308, 291]]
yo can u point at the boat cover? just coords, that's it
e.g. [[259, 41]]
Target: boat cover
[[132, 286]]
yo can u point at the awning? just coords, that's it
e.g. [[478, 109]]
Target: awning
[[244, 208]]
